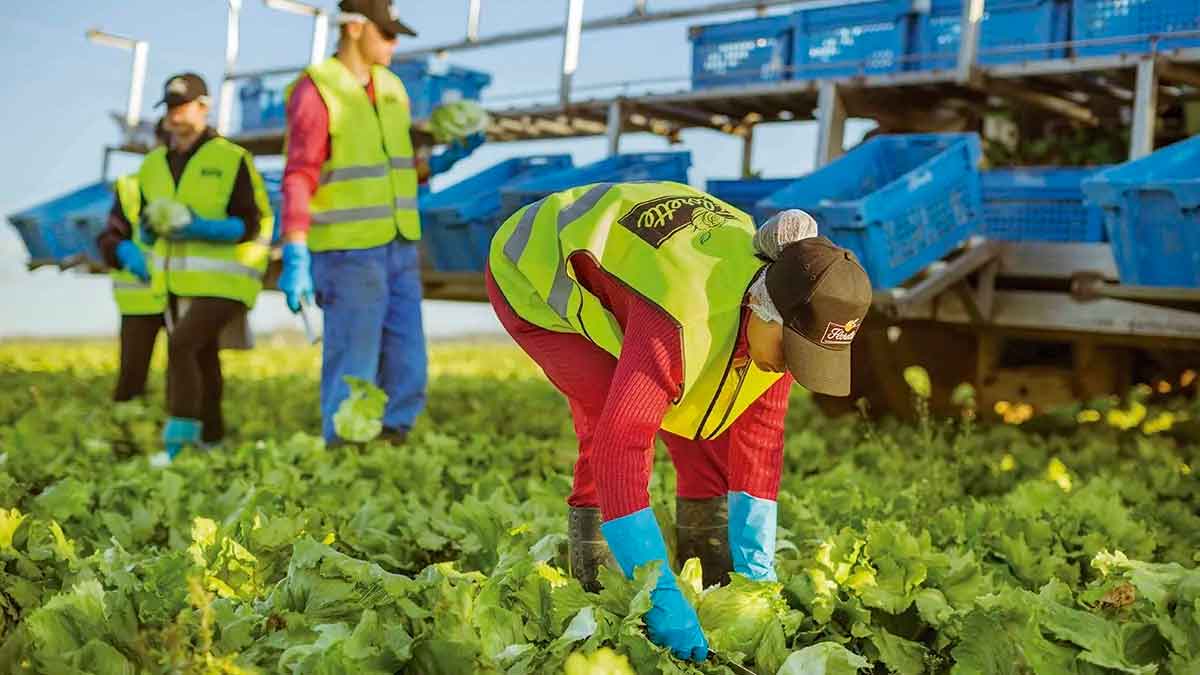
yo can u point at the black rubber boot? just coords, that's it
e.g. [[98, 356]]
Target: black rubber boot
[[586, 547], [702, 531]]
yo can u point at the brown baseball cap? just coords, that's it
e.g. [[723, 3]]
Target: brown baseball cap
[[381, 13], [183, 88], [822, 294]]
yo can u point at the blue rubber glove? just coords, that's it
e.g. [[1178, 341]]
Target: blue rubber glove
[[296, 280], [132, 260], [454, 152], [225, 230], [672, 623], [179, 433], [752, 535]]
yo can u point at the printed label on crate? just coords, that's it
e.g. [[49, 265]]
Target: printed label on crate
[[657, 220]]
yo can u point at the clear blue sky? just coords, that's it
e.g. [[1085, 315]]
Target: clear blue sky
[[58, 92]]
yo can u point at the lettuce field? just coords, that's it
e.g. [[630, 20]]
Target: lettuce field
[[1066, 544]]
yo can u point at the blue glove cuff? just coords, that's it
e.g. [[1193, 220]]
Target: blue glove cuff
[[635, 540], [296, 253], [752, 523], [227, 229], [126, 250]]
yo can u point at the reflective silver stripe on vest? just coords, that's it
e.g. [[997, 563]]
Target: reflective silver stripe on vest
[[198, 264], [514, 248], [340, 216], [560, 290], [402, 163], [354, 173], [406, 203], [130, 286]]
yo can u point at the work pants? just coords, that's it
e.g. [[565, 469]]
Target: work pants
[[194, 381]]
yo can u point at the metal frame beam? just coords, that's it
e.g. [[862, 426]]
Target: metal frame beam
[[616, 119], [572, 38], [968, 47], [1145, 109], [232, 46], [831, 123]]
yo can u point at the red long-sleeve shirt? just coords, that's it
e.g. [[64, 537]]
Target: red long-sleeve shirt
[[646, 380], [308, 147]]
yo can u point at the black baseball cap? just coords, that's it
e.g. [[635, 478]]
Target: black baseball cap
[[381, 13], [183, 88], [822, 294]]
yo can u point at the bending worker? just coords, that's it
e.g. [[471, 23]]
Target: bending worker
[[140, 305], [205, 210], [655, 308], [350, 198]]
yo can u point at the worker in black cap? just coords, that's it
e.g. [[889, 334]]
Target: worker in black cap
[[350, 219], [204, 209]]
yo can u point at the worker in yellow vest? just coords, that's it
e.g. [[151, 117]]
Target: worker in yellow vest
[[206, 212], [350, 220], [660, 310], [140, 305]]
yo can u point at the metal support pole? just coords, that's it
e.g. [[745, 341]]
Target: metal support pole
[[639, 7], [616, 119], [105, 163], [572, 36], [1145, 109], [232, 46], [748, 153], [831, 123], [473, 12], [137, 84], [320, 37], [968, 47]]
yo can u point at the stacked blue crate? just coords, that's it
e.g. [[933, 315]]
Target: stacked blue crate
[[867, 38], [459, 221], [900, 202], [1127, 26], [741, 52], [652, 166], [1012, 30], [1152, 215], [64, 230], [1039, 204], [745, 194]]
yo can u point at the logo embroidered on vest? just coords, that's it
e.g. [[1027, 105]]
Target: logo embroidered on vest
[[657, 220], [840, 334], [210, 173]]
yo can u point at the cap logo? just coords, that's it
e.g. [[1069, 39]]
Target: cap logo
[[657, 220], [840, 334], [177, 86]]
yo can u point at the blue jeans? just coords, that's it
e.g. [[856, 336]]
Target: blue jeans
[[372, 303]]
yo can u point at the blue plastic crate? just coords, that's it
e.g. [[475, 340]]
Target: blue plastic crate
[[644, 166], [430, 85], [860, 39], [900, 202], [1012, 30], [263, 105], [460, 220], [29, 228], [1039, 204], [744, 194], [741, 52], [1152, 215], [1125, 26]]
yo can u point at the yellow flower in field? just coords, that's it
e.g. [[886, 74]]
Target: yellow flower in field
[[551, 574], [918, 380], [603, 661], [1158, 424], [329, 539], [1088, 416], [1185, 469], [1008, 463], [1188, 377], [1127, 419], [1058, 473]]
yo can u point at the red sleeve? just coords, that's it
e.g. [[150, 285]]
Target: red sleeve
[[307, 152], [647, 379], [756, 443]]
